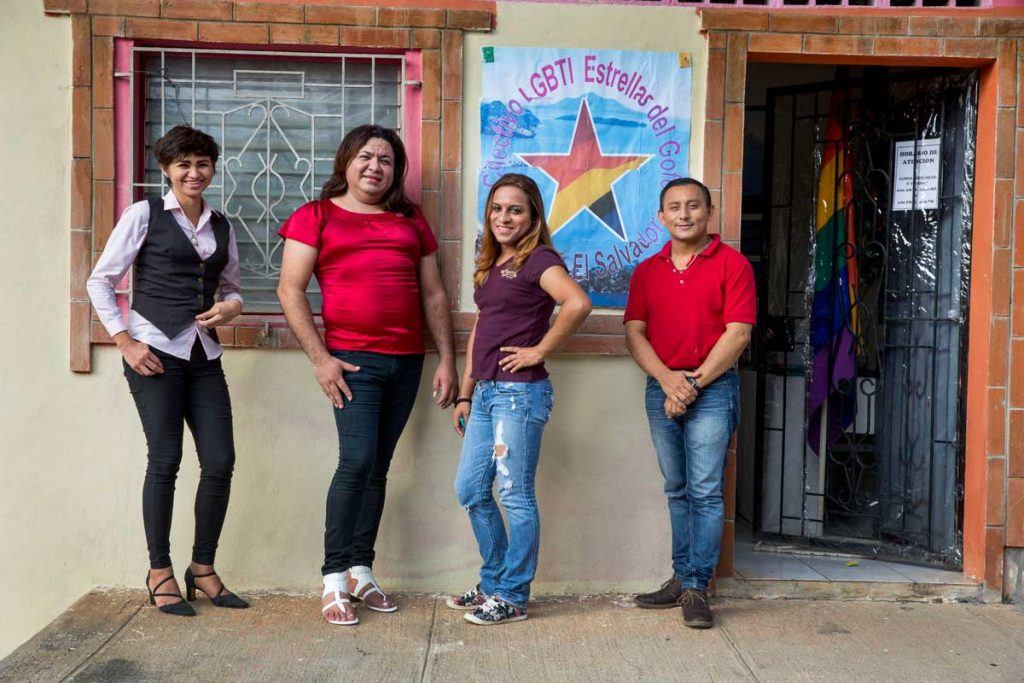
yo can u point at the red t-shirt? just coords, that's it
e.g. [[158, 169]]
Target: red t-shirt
[[368, 271], [686, 311]]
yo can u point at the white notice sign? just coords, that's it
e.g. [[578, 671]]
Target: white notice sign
[[916, 181]]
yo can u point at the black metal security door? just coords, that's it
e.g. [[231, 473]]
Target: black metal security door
[[878, 463]]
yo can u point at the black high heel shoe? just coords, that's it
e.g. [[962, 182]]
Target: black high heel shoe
[[224, 598], [179, 609]]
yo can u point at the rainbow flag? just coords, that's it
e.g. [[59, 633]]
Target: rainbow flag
[[833, 321]]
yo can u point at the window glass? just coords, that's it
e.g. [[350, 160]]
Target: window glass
[[278, 121]]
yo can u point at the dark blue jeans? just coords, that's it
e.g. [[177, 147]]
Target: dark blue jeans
[[691, 453], [383, 394]]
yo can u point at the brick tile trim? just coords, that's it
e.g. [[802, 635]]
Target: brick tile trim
[[249, 23], [600, 334], [996, 356]]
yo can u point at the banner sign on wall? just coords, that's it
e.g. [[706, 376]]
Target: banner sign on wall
[[601, 132]]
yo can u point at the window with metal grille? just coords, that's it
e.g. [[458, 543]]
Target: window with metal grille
[[278, 118]]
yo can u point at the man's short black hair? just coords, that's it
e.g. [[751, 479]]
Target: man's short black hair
[[181, 141], [678, 182]]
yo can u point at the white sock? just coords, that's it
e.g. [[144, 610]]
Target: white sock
[[360, 572], [338, 581]]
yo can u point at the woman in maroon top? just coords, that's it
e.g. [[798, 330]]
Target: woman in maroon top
[[519, 278], [373, 255]]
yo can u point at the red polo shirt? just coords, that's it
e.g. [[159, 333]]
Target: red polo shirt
[[686, 311]]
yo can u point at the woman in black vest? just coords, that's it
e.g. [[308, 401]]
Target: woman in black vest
[[183, 252]]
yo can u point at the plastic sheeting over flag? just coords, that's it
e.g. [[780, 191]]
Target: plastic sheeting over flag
[[831, 399]]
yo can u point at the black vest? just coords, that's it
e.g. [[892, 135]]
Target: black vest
[[172, 283]]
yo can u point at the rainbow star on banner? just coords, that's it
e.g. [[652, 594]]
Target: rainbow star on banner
[[584, 177]]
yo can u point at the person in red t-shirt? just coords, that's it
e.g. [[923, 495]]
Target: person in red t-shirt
[[373, 255], [689, 315]]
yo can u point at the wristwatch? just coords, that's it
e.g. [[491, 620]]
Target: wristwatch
[[693, 383]]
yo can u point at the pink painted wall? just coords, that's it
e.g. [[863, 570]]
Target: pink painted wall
[[878, 4]]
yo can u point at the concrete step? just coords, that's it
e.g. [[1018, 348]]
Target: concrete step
[[904, 591], [73, 637], [113, 636]]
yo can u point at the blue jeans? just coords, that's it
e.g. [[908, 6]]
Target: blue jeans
[[691, 453], [383, 393], [503, 438]]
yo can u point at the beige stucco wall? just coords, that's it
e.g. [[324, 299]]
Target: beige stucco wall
[[72, 454]]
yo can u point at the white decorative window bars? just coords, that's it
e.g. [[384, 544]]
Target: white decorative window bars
[[278, 118]]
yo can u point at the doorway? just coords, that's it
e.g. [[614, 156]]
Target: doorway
[[857, 198]]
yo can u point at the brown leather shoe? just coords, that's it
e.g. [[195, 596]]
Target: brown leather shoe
[[665, 597], [696, 608]]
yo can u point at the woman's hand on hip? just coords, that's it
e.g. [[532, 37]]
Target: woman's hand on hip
[[460, 417], [221, 313], [330, 373], [520, 357], [139, 358]]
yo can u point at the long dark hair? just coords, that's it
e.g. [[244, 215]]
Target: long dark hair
[[394, 199], [538, 235]]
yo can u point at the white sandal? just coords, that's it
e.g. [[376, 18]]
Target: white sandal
[[366, 584], [340, 603]]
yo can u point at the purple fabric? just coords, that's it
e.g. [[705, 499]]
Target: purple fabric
[[841, 404], [513, 311]]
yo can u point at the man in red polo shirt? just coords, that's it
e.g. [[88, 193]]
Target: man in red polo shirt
[[689, 315]]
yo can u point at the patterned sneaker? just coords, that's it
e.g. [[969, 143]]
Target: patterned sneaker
[[495, 611], [471, 599]]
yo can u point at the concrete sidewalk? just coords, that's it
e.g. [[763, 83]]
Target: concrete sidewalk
[[112, 635]]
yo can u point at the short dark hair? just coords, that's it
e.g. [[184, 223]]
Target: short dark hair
[[679, 182], [181, 141], [394, 199]]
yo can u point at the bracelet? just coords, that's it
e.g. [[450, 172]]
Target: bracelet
[[693, 383], [463, 399]]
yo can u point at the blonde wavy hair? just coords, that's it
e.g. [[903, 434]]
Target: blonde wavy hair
[[538, 235]]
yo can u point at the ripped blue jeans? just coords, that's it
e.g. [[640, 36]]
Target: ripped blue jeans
[[503, 441]]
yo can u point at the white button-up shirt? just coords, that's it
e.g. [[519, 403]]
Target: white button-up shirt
[[118, 256]]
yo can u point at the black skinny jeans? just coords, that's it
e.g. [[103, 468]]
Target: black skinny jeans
[[191, 392], [383, 393]]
